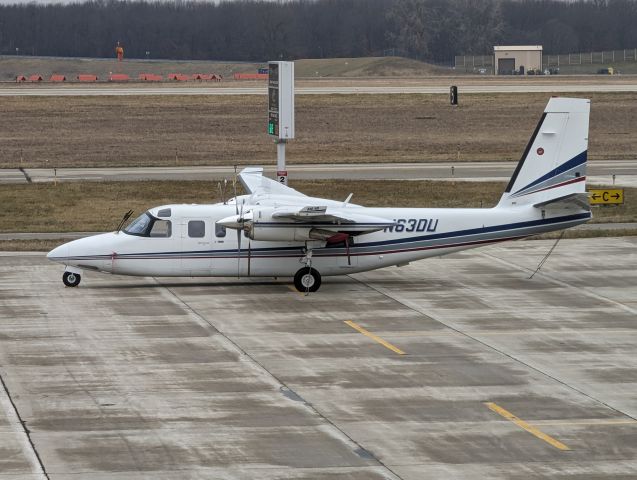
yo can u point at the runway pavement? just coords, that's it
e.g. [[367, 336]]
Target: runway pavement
[[443, 88], [599, 172], [457, 367]]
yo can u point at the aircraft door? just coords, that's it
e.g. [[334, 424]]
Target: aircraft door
[[196, 246]]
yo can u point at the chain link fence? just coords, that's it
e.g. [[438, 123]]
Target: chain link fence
[[591, 58], [484, 63], [474, 63]]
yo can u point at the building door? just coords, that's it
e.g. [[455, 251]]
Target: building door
[[506, 66]]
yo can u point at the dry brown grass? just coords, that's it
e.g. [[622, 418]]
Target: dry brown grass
[[365, 67], [98, 206], [226, 130], [29, 245]]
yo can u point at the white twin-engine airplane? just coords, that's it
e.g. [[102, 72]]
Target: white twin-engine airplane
[[286, 233]]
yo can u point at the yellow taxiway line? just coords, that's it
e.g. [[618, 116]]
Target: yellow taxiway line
[[526, 426], [376, 338]]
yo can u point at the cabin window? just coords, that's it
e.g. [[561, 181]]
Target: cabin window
[[196, 229], [164, 213], [220, 230], [160, 228]]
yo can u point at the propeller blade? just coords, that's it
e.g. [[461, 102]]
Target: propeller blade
[[239, 233], [234, 185], [249, 256], [238, 253]]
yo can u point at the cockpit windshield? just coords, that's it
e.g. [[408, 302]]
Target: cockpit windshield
[[139, 226], [148, 226]]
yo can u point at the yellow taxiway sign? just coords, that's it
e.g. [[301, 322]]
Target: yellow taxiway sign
[[608, 196]]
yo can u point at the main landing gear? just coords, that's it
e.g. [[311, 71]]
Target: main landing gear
[[307, 280], [71, 279]]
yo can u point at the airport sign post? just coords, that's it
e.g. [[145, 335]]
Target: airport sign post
[[606, 196], [281, 110]]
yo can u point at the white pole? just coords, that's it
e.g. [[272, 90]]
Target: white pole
[[281, 172]]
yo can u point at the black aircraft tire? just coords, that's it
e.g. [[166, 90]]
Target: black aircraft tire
[[307, 280], [71, 279]]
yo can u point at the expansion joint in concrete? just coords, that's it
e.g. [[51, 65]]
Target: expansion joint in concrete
[[283, 387], [586, 292], [29, 449], [418, 310]]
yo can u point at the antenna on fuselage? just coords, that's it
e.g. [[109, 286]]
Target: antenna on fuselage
[[121, 223], [222, 191]]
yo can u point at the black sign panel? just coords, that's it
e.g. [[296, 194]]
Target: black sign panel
[[273, 99]]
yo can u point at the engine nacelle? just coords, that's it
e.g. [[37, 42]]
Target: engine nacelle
[[287, 234], [262, 226], [256, 231]]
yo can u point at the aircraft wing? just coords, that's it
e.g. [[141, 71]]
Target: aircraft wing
[[265, 191], [339, 219], [255, 183]]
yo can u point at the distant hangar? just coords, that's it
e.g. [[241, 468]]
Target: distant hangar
[[517, 59]]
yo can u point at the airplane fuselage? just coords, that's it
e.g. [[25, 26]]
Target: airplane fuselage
[[193, 244]]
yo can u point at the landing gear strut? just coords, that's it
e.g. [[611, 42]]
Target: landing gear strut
[[71, 279], [307, 279]]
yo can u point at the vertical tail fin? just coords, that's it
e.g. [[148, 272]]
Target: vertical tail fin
[[554, 162]]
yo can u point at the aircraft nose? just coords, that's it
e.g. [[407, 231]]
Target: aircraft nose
[[59, 254]]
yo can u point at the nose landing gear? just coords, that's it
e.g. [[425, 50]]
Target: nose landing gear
[[71, 279]]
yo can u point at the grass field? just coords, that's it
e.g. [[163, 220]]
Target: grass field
[[366, 67], [98, 206], [226, 130]]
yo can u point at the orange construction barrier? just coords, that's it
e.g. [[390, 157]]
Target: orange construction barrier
[[35, 78], [57, 78], [118, 77], [216, 77], [178, 77], [150, 77], [87, 78], [20, 78]]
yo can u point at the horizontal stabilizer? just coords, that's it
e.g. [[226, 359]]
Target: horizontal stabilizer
[[577, 200]]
